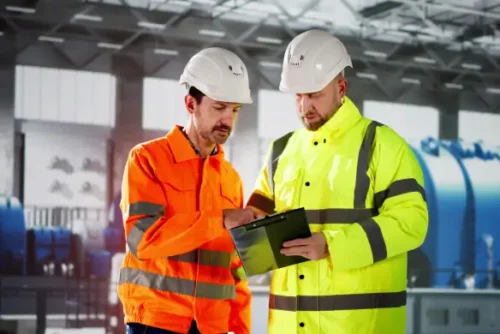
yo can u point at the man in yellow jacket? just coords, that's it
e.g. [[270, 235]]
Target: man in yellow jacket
[[362, 189]]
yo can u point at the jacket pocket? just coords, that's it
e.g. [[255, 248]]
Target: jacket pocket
[[230, 194], [180, 192]]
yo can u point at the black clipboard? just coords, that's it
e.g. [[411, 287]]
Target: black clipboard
[[259, 242]]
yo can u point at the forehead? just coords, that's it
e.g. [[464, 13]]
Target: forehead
[[220, 103]]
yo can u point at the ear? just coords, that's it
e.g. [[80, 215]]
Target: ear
[[342, 87], [190, 103]]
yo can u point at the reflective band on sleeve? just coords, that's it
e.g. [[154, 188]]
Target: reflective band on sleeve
[[376, 239], [339, 216], [205, 257], [399, 187], [239, 273], [261, 202], [146, 208], [177, 285], [136, 233], [364, 157], [338, 302]]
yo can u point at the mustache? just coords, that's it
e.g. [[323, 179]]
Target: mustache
[[222, 128]]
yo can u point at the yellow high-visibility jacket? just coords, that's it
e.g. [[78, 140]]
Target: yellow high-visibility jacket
[[362, 187]]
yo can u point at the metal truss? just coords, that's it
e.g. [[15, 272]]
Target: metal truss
[[153, 37]]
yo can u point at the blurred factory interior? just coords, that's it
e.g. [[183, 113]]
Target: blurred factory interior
[[81, 82]]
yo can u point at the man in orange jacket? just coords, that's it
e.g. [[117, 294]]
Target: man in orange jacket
[[179, 198]]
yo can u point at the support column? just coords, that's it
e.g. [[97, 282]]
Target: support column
[[8, 177], [128, 126], [448, 104]]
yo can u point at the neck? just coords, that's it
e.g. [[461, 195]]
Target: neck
[[204, 146]]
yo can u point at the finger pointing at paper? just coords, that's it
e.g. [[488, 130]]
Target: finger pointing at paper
[[313, 248]]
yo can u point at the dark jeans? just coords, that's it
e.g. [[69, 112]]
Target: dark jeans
[[135, 328]]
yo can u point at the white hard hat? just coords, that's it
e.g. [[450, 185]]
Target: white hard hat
[[219, 74], [312, 60]]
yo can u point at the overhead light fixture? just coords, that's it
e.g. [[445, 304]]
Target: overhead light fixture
[[365, 75], [50, 39], [105, 45], [470, 66], [493, 90], [424, 60], [174, 2], [452, 85], [268, 40], [85, 17], [18, 9], [151, 25], [376, 54], [166, 52], [270, 64], [214, 33], [412, 81], [1, 33]]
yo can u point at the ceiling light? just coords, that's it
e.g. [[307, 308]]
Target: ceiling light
[[365, 75], [424, 60], [376, 54], [452, 85], [493, 90], [85, 17], [51, 39], [25, 10], [214, 33], [1, 33], [270, 64], [105, 45], [410, 81], [470, 66], [151, 25], [268, 40], [166, 52]]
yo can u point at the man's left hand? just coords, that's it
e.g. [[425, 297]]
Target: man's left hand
[[313, 248]]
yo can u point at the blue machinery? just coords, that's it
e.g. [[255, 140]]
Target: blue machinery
[[462, 184]]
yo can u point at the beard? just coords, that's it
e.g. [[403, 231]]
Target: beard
[[219, 134], [318, 122]]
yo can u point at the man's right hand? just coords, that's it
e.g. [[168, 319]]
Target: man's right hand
[[237, 217]]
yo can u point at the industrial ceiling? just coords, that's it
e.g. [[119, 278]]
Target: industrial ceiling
[[442, 45]]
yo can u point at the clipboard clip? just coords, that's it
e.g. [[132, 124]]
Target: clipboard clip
[[265, 221]]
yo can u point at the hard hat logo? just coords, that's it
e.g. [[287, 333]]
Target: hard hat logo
[[240, 73], [296, 61]]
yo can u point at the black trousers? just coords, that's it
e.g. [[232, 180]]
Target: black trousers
[[135, 328]]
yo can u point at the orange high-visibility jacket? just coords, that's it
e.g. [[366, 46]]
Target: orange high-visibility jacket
[[181, 264]]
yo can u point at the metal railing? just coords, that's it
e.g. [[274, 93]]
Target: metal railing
[[61, 216]]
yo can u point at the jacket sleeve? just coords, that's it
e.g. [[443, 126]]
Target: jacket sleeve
[[149, 231], [241, 307], [262, 198], [402, 222]]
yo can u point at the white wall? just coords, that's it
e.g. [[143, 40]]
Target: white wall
[[163, 104], [277, 114], [412, 122], [474, 126], [67, 182], [57, 95]]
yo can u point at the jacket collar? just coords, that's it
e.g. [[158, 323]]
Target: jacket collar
[[340, 123], [182, 149]]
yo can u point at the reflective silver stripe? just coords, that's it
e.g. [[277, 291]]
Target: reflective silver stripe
[[365, 153], [261, 202], [338, 302], [146, 208], [277, 149], [375, 239], [205, 257], [339, 216], [137, 232], [177, 285], [399, 187]]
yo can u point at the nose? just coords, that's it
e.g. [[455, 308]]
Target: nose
[[305, 103]]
